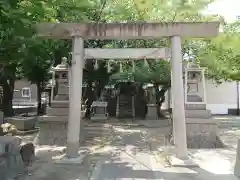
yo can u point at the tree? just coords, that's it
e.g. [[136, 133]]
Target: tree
[[222, 55], [17, 17], [15, 29], [36, 66], [157, 10], [159, 74]]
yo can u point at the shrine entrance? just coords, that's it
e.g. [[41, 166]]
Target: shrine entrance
[[125, 104], [175, 31]]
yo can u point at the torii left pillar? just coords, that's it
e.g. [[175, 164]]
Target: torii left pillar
[[75, 99]]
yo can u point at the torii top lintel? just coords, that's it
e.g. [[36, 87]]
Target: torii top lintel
[[128, 30]]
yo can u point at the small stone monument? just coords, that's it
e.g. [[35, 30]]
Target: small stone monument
[[195, 91], [99, 110]]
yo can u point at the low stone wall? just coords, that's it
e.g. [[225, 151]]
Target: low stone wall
[[53, 132], [202, 133], [237, 163], [10, 158], [24, 109]]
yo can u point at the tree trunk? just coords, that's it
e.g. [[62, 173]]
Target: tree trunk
[[39, 99], [89, 99], [8, 90], [157, 95], [141, 108]]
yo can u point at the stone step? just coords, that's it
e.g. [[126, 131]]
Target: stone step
[[195, 106], [56, 117], [59, 104], [91, 133], [194, 98], [231, 123], [57, 111], [61, 97], [198, 114]]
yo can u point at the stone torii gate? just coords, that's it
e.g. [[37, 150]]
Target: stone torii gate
[[175, 31]]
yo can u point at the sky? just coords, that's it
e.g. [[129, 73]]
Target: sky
[[230, 9]]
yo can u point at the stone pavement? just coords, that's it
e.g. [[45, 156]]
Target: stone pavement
[[228, 121], [130, 157], [128, 153]]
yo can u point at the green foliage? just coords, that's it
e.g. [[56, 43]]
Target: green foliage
[[158, 72], [37, 63], [21, 55], [222, 55]]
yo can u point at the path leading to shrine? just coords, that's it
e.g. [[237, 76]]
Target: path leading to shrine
[[126, 153], [133, 155]]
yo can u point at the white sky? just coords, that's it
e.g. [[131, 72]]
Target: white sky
[[230, 9]]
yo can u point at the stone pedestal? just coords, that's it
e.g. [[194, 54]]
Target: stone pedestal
[[152, 112], [53, 131], [23, 123], [202, 133], [99, 110], [58, 109], [201, 129], [63, 94]]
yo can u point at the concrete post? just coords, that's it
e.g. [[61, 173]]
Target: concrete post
[[75, 97], [178, 99]]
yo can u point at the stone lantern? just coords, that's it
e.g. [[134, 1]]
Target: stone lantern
[[60, 82], [60, 92], [201, 128], [195, 88]]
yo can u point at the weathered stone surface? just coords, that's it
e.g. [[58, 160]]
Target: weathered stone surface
[[129, 30], [198, 113], [125, 53], [237, 163], [152, 112], [59, 104], [27, 152], [10, 159], [3, 168], [203, 135], [55, 133], [22, 123]]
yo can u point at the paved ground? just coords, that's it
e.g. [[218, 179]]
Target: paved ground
[[131, 157], [126, 153]]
